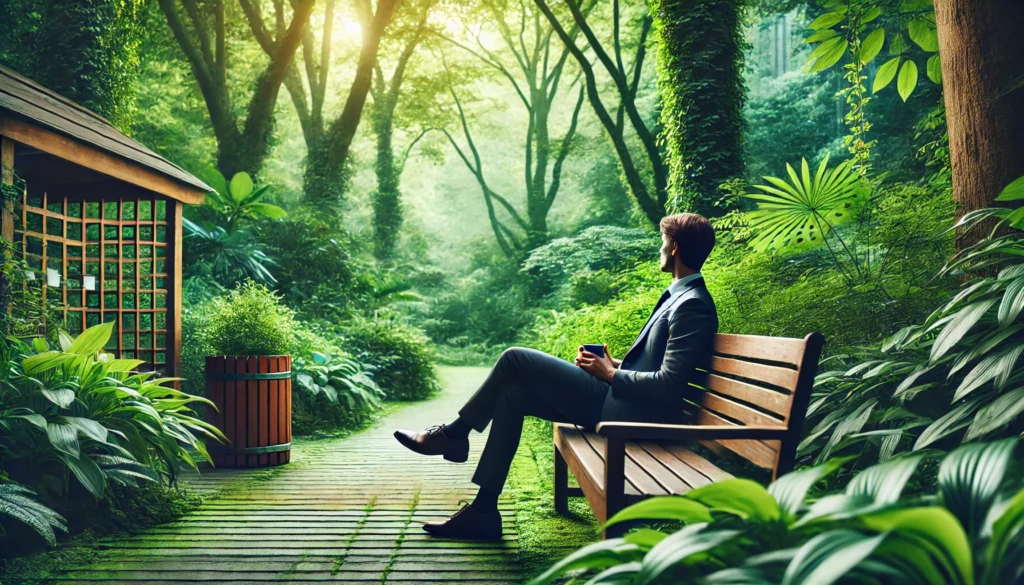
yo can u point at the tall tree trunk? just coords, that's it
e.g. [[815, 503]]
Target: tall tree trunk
[[981, 46], [700, 65], [387, 202]]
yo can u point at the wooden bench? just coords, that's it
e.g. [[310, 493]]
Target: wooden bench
[[754, 402]]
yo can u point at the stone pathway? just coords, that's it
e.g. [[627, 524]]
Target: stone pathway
[[346, 510]]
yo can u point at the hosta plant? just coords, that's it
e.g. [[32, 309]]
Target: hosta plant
[[736, 531], [339, 379], [956, 377], [76, 414]]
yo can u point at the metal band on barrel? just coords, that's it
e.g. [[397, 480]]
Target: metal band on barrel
[[249, 376], [224, 450]]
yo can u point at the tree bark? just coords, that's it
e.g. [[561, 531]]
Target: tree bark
[[981, 46]]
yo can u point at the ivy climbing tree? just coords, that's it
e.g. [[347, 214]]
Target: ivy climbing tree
[[86, 50], [700, 63]]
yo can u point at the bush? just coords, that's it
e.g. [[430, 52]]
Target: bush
[[736, 531], [250, 320], [78, 413], [402, 360]]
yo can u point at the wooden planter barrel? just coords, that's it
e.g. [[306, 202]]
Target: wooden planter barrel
[[253, 395]]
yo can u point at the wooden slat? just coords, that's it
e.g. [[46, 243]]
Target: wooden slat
[[785, 378], [688, 476], [767, 399], [173, 284], [668, 481], [636, 475], [776, 349], [696, 462], [7, 178], [253, 419], [737, 411], [760, 453], [230, 409]]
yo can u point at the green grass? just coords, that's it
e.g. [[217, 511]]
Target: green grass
[[544, 535]]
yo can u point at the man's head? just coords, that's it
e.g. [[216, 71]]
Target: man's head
[[686, 238]]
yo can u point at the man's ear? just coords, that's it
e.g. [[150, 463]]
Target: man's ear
[[675, 247]]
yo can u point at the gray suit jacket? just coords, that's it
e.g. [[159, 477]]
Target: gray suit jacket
[[651, 383]]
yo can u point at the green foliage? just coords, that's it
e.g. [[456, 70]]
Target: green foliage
[[239, 199], [338, 379], [402, 361], [863, 28], [250, 320], [225, 256], [951, 378], [86, 51], [736, 531], [806, 210], [700, 59], [16, 501], [76, 412]]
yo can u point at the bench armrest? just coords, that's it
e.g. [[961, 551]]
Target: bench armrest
[[632, 430]]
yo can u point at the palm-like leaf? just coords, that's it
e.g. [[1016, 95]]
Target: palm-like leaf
[[801, 212], [16, 501]]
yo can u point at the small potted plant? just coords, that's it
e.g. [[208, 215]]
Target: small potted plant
[[249, 379]]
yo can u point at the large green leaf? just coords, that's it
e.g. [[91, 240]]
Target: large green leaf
[[871, 45], [997, 414], [827, 54], [240, 187], [677, 547], [996, 367], [947, 424], [1013, 192], [933, 528], [934, 69], [46, 361], [1004, 555], [884, 482], [886, 73], [958, 326], [88, 427], [63, 437], [268, 210], [92, 339], [62, 397], [600, 555], [924, 34], [969, 480], [742, 497], [830, 556], [663, 508], [791, 489], [907, 80], [829, 19], [87, 472]]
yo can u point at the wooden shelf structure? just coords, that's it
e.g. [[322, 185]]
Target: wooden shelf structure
[[98, 222]]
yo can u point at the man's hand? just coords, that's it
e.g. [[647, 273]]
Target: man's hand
[[602, 368]]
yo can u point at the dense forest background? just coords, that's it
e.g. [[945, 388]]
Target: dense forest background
[[409, 183]]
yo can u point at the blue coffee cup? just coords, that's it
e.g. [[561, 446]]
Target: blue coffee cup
[[594, 348]]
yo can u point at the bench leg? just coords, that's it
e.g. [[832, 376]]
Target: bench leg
[[561, 484], [614, 483]]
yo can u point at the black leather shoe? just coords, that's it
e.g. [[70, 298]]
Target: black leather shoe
[[433, 441], [468, 524]]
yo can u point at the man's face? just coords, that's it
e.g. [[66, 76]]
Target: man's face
[[667, 260]]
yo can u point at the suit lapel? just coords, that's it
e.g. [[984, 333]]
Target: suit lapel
[[664, 307]]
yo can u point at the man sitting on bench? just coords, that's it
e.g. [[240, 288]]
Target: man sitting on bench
[[647, 385]]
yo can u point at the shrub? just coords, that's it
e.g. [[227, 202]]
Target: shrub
[[399, 353], [76, 412], [250, 320], [333, 391], [736, 531]]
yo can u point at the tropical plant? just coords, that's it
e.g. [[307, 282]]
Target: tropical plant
[[736, 531], [250, 320], [339, 379], [78, 412], [229, 254], [954, 377], [16, 501], [239, 199]]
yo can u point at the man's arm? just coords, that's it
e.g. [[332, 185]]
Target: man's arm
[[692, 328]]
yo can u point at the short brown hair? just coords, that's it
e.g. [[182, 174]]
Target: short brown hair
[[694, 236]]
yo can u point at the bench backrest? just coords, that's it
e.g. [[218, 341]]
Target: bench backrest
[[756, 380]]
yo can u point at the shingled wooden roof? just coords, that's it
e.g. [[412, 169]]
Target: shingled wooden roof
[[40, 118]]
